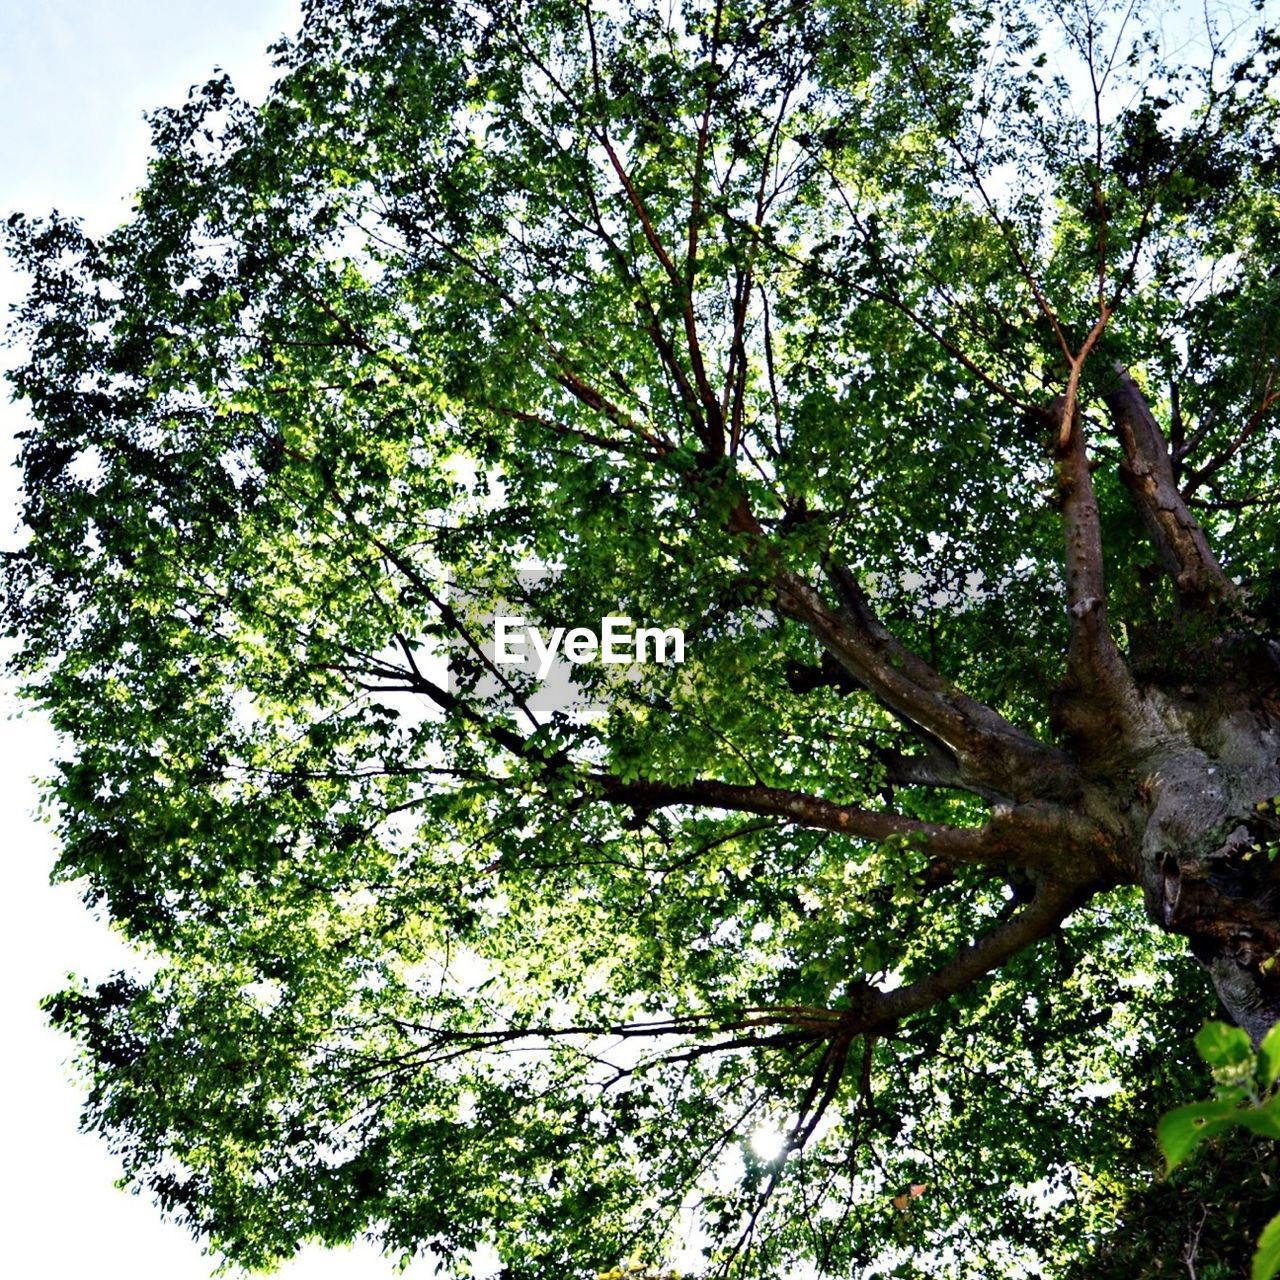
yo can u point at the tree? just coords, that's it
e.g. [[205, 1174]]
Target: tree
[[920, 360]]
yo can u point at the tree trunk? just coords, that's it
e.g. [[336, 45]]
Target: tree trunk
[[1206, 835]]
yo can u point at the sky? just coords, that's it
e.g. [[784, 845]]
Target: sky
[[76, 77]]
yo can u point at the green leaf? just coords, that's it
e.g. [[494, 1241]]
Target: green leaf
[[1266, 1262], [1223, 1046], [1264, 1121], [1183, 1129], [1269, 1057]]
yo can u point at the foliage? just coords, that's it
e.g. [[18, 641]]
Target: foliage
[[1207, 1218], [739, 317], [1244, 1098]]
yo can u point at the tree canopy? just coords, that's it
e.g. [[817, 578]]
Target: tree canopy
[[920, 360]]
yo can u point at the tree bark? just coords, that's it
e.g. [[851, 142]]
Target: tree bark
[[1208, 855], [1147, 471]]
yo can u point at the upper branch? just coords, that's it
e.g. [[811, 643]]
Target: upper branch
[[975, 844], [1147, 471], [990, 749], [1095, 666], [1255, 423], [1052, 903], [711, 426]]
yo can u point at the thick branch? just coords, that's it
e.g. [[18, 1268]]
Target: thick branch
[[1147, 471], [1030, 836], [965, 844], [936, 769], [990, 749], [1035, 838], [1052, 903], [993, 752], [871, 1010], [1095, 667]]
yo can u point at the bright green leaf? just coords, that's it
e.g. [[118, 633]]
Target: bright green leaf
[[1223, 1046], [1266, 1262]]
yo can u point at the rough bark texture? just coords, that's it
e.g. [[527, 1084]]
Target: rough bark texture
[[1161, 780], [1183, 778], [1197, 765], [1207, 849], [1167, 785]]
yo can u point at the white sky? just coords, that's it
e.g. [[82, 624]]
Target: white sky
[[75, 78]]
